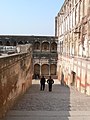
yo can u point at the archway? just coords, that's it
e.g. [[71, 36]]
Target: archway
[[45, 69], [20, 42], [53, 46], [8, 43], [45, 46], [53, 69], [36, 46], [36, 71]]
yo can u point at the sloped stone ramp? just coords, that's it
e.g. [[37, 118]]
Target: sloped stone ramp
[[63, 103]]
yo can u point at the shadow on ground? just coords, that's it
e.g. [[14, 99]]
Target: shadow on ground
[[40, 105]]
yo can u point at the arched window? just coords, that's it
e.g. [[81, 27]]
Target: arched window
[[45, 46], [20, 42], [37, 46], [8, 43], [53, 46], [37, 69]]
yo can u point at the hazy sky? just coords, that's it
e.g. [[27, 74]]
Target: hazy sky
[[33, 17]]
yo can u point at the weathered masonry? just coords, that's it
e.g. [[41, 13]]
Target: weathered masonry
[[18, 69], [73, 32], [45, 57], [44, 50], [15, 78]]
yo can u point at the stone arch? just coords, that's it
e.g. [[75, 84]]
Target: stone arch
[[14, 43], [37, 46], [20, 42], [45, 69], [26, 42], [8, 43], [54, 46], [36, 71], [53, 69], [45, 46], [1, 43]]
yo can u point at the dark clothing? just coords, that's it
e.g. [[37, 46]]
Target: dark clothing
[[42, 81], [50, 82]]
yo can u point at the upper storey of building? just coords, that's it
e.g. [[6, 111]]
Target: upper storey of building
[[14, 40], [40, 44], [73, 13]]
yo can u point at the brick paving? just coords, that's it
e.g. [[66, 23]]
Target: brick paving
[[62, 100]]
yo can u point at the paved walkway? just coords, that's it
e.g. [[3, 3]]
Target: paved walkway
[[63, 103]]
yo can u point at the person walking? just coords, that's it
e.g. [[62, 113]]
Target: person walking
[[42, 82], [50, 81]]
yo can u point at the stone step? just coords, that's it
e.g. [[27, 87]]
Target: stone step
[[48, 115]]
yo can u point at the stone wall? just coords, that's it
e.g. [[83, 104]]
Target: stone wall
[[15, 78], [76, 72]]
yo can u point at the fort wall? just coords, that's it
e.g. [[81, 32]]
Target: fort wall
[[15, 79]]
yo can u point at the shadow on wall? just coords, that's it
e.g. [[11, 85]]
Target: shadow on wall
[[15, 79]]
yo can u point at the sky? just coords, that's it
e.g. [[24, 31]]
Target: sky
[[29, 17]]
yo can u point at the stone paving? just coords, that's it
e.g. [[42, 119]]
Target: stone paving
[[63, 103]]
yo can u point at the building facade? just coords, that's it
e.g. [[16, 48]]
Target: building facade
[[72, 27], [45, 57], [44, 52]]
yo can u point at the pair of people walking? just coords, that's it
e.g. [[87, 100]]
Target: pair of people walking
[[50, 81]]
